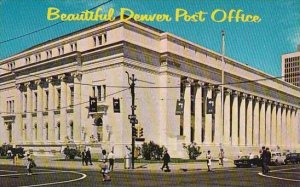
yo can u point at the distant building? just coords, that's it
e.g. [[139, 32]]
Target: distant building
[[291, 67], [45, 90]]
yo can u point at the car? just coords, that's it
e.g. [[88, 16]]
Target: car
[[246, 161], [277, 159], [292, 158]]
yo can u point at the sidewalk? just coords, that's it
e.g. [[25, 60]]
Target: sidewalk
[[56, 162]]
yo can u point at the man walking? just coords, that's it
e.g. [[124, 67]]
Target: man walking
[[166, 159], [264, 160], [89, 156], [111, 159]]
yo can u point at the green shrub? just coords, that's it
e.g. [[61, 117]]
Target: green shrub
[[192, 150], [71, 153], [152, 151]]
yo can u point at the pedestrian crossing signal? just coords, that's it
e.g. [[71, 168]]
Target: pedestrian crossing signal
[[179, 107], [116, 103], [210, 106], [93, 104]]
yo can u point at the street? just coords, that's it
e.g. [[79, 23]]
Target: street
[[289, 175]]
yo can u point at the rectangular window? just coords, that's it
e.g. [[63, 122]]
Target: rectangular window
[[72, 96], [27, 60], [99, 93], [49, 54], [94, 91], [104, 92], [100, 39], [73, 46], [25, 103], [60, 50], [58, 97], [35, 101], [46, 100]]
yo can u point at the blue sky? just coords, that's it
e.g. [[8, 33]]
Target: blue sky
[[259, 45]]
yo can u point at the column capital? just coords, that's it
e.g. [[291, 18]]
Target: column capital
[[77, 75], [227, 91], [20, 86], [243, 95], [262, 100], [188, 82], [269, 102], [235, 93], [217, 89], [274, 103], [249, 97]]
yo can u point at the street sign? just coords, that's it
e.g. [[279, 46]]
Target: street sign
[[210, 106], [179, 107]]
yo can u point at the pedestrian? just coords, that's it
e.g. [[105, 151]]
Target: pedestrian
[[89, 156], [166, 159], [104, 170], [264, 159], [29, 164], [111, 159], [269, 155], [221, 157], [83, 157], [208, 157]]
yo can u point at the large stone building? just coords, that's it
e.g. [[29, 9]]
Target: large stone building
[[290, 65], [45, 90]]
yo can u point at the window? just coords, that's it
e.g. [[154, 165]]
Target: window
[[38, 57], [11, 65], [58, 97], [73, 46], [60, 50], [49, 54], [25, 103], [58, 131], [35, 101], [27, 60], [99, 93], [100, 39], [71, 131], [46, 99], [72, 97], [47, 131], [10, 106]]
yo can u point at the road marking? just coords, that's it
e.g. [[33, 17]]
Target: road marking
[[61, 182], [279, 178], [9, 171], [15, 174], [284, 169], [288, 172]]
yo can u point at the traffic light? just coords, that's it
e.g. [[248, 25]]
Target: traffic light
[[93, 104], [116, 103], [141, 133], [134, 132]]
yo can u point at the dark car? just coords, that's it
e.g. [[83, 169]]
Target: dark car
[[246, 161], [292, 158]]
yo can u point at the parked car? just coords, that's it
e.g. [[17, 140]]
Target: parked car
[[277, 158], [246, 161], [292, 158]]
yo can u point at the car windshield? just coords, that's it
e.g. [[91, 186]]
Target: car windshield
[[244, 157]]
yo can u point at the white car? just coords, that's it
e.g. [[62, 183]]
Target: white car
[[277, 158]]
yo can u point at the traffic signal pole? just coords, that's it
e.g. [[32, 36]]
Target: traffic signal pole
[[133, 107]]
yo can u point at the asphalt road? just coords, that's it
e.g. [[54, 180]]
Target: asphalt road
[[12, 176]]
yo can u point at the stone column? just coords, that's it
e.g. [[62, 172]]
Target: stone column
[[17, 127], [283, 126], [198, 114], [29, 113], [278, 125], [288, 127], [268, 123], [256, 122], [208, 118], [273, 125], [242, 109], [227, 116], [218, 138], [77, 107], [51, 107], [262, 122], [187, 112], [249, 121], [40, 120], [63, 108], [235, 108]]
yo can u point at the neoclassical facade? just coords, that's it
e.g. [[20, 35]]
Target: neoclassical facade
[[45, 90]]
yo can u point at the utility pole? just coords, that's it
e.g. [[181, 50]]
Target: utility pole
[[132, 118], [222, 85]]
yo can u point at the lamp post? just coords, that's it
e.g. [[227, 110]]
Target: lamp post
[[222, 85]]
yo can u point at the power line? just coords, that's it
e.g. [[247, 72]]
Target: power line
[[65, 106], [47, 27]]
